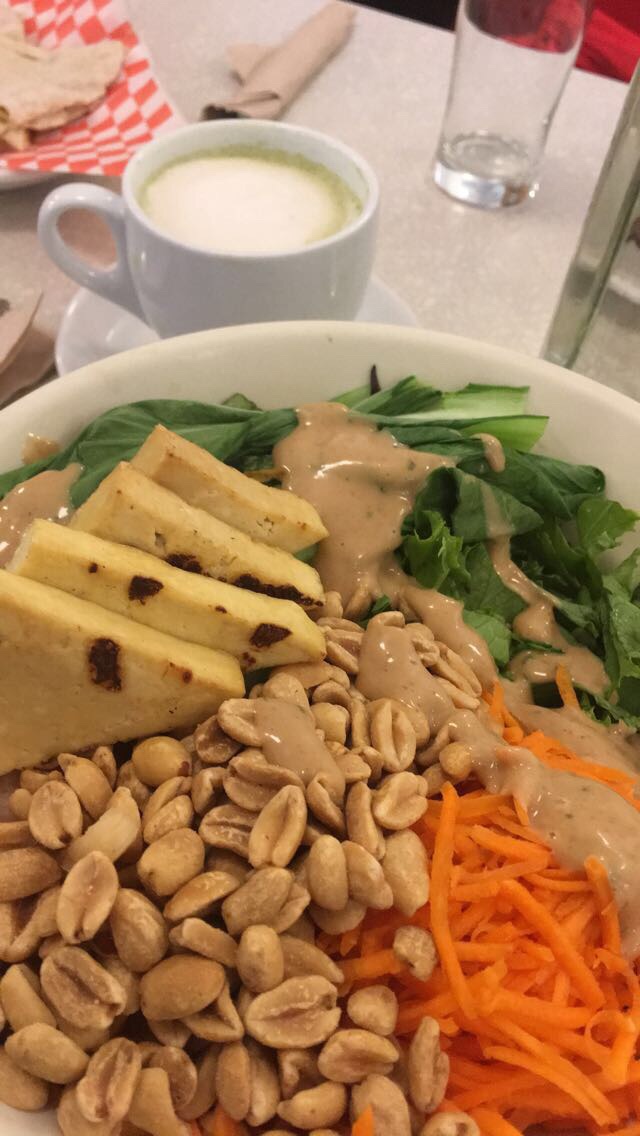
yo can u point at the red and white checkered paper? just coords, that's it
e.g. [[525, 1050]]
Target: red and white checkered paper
[[134, 110]]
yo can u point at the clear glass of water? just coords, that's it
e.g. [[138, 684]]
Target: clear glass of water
[[512, 59]]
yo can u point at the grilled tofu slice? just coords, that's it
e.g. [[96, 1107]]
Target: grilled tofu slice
[[273, 516], [74, 675], [258, 630], [131, 509]]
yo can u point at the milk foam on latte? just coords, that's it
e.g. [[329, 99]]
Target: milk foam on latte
[[242, 199]]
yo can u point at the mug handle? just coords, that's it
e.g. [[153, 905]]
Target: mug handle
[[115, 283]]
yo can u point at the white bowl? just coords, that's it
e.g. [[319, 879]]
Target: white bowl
[[285, 364]]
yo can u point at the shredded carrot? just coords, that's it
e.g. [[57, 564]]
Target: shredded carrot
[[364, 1125], [565, 688], [538, 1009], [218, 1123]]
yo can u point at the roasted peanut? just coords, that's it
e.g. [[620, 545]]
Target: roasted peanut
[[32, 779], [21, 1001], [350, 1055], [152, 1108], [332, 719], [20, 803], [46, 1053], [71, 1121], [88, 782], [15, 834], [212, 745], [415, 947], [55, 815], [177, 813], [324, 1104], [128, 779], [406, 871], [202, 939], [86, 897], [170, 1033], [25, 872], [361, 826], [365, 877], [387, 1102], [233, 1086], [204, 1096], [89, 1039], [138, 929], [157, 759], [228, 827], [24, 923], [455, 760], [337, 922], [206, 788], [297, 1070], [287, 688], [399, 801], [392, 735], [81, 990], [374, 1008], [312, 674], [19, 1089], [180, 986], [301, 1012], [322, 803], [260, 961], [270, 895], [450, 1124], [427, 1067], [278, 829], [105, 1091], [327, 879], [113, 833], [199, 895], [303, 958], [264, 1086], [172, 860], [179, 1068], [219, 1022], [106, 762]]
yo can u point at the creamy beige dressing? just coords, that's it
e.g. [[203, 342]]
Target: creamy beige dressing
[[36, 447], [289, 739], [493, 451], [444, 616], [363, 483], [495, 523], [537, 622], [390, 668], [572, 728], [45, 495]]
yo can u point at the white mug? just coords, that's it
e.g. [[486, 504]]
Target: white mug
[[176, 287]]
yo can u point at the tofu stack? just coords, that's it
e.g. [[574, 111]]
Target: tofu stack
[[140, 616]]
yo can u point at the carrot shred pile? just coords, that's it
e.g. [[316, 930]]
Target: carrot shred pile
[[538, 1009]]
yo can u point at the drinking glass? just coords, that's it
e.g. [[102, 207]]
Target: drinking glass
[[596, 325], [512, 59]]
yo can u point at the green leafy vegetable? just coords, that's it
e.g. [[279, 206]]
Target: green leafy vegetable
[[474, 510], [432, 553], [494, 630], [545, 484], [602, 523], [621, 631]]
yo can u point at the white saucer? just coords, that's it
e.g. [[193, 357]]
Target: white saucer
[[93, 328]]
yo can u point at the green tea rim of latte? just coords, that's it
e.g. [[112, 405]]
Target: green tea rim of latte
[[264, 139]]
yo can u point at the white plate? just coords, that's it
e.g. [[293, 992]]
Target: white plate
[[281, 364], [93, 328]]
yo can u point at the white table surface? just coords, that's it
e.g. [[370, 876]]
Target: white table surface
[[494, 276]]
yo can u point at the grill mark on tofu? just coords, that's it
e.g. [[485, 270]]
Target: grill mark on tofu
[[104, 664], [266, 634], [279, 591], [185, 561], [142, 587], [93, 567]]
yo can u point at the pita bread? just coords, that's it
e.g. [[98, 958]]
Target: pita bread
[[41, 90]]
